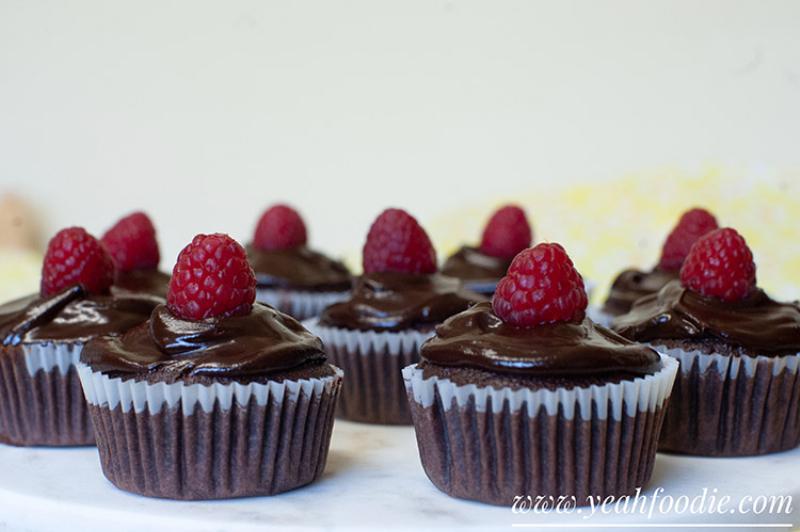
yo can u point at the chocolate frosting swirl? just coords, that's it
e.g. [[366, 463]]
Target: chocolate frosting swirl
[[236, 347], [393, 301], [477, 338], [298, 268], [71, 315], [151, 282], [470, 264], [756, 323], [631, 285]]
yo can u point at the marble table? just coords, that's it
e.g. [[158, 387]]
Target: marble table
[[373, 480]]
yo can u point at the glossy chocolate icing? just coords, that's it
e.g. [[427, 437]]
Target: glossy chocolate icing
[[298, 268], [235, 347], [477, 338], [392, 301], [470, 264], [151, 282], [631, 285], [71, 315], [757, 323]]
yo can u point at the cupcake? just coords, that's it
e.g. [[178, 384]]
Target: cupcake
[[633, 284], [480, 268], [393, 308], [737, 392], [525, 396], [41, 402], [214, 396], [132, 244], [292, 277]]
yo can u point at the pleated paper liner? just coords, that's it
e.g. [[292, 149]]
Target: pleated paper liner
[[41, 401], [299, 304], [732, 405], [372, 361], [194, 442], [491, 445]]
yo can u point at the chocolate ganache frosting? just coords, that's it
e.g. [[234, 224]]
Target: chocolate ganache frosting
[[470, 264], [757, 323], [630, 285], [298, 268], [477, 338], [152, 282], [391, 301], [70, 315], [242, 348]]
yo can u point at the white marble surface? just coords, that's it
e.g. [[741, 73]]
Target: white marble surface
[[373, 480]]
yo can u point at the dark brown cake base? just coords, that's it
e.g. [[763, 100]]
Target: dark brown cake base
[[373, 390], [713, 414], [495, 455], [244, 451], [48, 409]]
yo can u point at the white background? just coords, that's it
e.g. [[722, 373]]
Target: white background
[[205, 112]]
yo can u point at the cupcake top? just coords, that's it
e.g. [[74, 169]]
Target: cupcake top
[[633, 284], [133, 247], [536, 327], [757, 324], [210, 329], [506, 234], [70, 315], [75, 302], [393, 301], [716, 301], [280, 258], [400, 288]]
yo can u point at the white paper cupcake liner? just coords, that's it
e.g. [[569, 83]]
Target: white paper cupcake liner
[[47, 356], [41, 401], [643, 393], [195, 442], [373, 390], [493, 444], [299, 304], [138, 396], [732, 405]]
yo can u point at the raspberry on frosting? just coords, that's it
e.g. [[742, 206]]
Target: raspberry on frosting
[[280, 227], [74, 257], [720, 265], [507, 233], [132, 243], [397, 243], [542, 286], [211, 278], [693, 224]]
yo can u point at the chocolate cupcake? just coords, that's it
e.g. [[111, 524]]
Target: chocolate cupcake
[[393, 308], [291, 277], [527, 396], [633, 284], [214, 396], [41, 402], [132, 244], [738, 391], [480, 268]]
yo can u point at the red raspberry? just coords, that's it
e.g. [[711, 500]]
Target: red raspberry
[[211, 278], [397, 243], [720, 265], [132, 243], [507, 233], [76, 257], [692, 225], [280, 227], [541, 286]]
